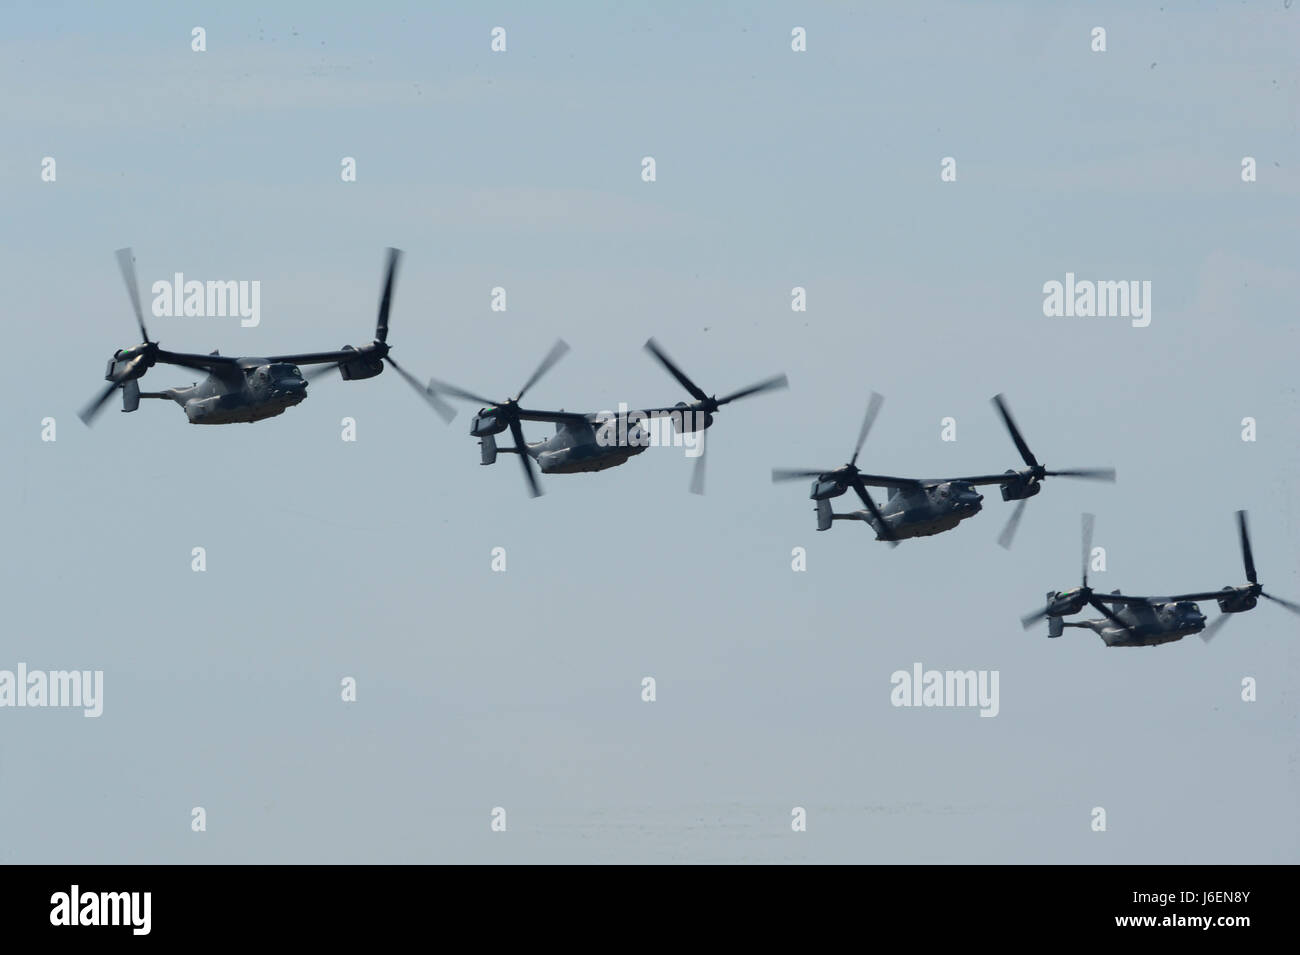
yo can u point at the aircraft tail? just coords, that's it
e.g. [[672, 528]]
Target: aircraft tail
[[131, 395], [824, 515], [1055, 625]]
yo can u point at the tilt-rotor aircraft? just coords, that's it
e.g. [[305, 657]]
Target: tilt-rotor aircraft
[[923, 508], [242, 389], [1130, 621], [588, 442]]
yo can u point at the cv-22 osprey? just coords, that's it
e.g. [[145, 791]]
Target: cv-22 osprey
[[1129, 621], [589, 442], [242, 389], [923, 508]]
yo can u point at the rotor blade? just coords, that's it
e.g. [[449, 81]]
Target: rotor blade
[[89, 413], [386, 300], [873, 409], [318, 371], [1009, 530], [1089, 522], [767, 384], [789, 474], [126, 262], [441, 387], [1110, 615], [445, 411], [517, 432], [1091, 474], [558, 351], [653, 348], [1000, 403], [1247, 557], [885, 530], [1029, 619], [1209, 632], [1294, 608], [697, 473]]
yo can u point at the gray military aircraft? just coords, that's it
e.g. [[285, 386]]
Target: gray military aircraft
[[243, 389], [588, 442], [923, 508], [1150, 621]]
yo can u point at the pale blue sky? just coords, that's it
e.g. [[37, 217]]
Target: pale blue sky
[[521, 689]]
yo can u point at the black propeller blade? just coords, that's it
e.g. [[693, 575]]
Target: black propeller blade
[[1293, 607], [1110, 615], [386, 299], [558, 351], [886, 531], [517, 432], [1029, 619], [709, 405], [1000, 403], [1013, 522], [1247, 557], [1037, 471], [126, 262], [697, 471], [442, 387], [873, 409], [1092, 474], [318, 372], [1087, 526], [1212, 630], [91, 411], [786, 474], [653, 348], [775, 383], [138, 365], [507, 410], [445, 411], [868, 419]]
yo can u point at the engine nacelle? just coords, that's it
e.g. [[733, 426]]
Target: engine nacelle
[[487, 449], [823, 489], [686, 421], [1065, 603], [1235, 601], [363, 366], [487, 423], [1019, 487]]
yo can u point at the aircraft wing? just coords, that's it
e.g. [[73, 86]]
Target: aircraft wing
[[881, 480], [222, 366], [1123, 599], [979, 479], [315, 358], [1208, 595], [877, 480], [555, 417]]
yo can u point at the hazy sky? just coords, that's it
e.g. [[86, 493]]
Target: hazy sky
[[522, 689]]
